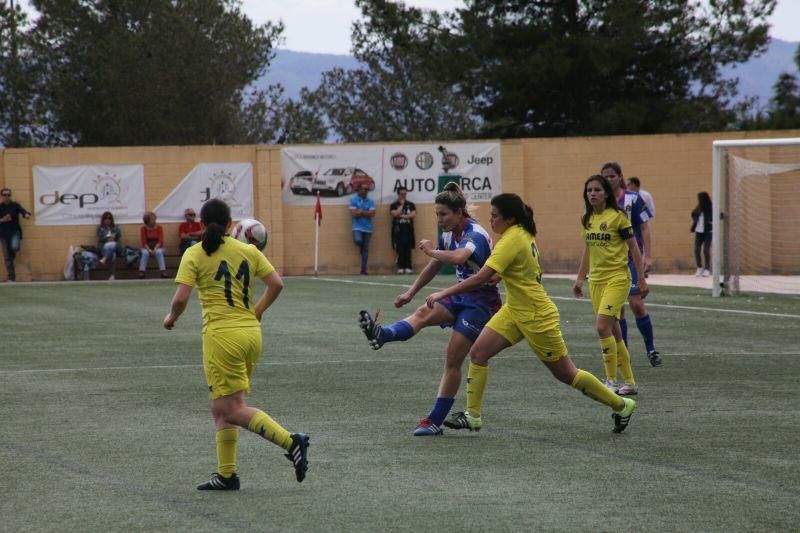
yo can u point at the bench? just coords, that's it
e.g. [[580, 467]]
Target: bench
[[124, 271]]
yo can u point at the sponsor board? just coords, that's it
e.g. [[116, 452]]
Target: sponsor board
[[231, 182], [337, 171], [78, 195]]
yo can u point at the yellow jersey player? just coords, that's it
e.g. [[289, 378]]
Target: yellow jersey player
[[608, 235], [223, 271], [527, 314]]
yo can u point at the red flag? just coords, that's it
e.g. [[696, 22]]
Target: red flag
[[318, 211]]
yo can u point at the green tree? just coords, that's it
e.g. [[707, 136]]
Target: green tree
[[130, 72], [577, 67], [397, 94], [267, 117], [23, 117]]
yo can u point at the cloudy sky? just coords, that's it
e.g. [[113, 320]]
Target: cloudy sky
[[323, 26]]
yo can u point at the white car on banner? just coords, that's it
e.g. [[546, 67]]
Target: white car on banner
[[338, 181]]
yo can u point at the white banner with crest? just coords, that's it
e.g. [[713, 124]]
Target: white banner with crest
[[78, 195], [231, 182]]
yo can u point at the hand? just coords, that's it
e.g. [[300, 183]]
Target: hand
[[259, 314], [169, 321], [426, 246], [494, 280], [577, 289], [6, 218], [403, 299], [644, 290], [433, 298], [26, 216], [647, 263]]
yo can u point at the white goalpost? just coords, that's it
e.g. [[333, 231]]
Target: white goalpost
[[756, 216]]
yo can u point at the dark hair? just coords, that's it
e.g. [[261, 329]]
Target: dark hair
[[5, 189], [613, 165], [401, 188], [148, 215], [635, 181], [703, 201], [611, 202], [510, 206], [453, 198], [107, 214], [216, 215]]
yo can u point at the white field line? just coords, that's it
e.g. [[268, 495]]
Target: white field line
[[568, 299], [530, 356]]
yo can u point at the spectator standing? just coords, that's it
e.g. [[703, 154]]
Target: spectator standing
[[10, 229], [152, 244], [634, 185], [362, 209], [191, 231], [403, 212], [108, 238], [701, 227]]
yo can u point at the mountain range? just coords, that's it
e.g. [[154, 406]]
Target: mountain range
[[295, 70]]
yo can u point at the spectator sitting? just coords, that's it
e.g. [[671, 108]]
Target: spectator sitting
[[152, 244], [191, 231], [108, 237]]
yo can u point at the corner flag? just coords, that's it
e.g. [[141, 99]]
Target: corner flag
[[318, 211]]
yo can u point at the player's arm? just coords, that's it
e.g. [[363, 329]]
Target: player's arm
[[274, 284], [647, 260], [425, 277], [641, 283], [178, 306], [369, 213], [577, 287], [471, 283], [450, 257]]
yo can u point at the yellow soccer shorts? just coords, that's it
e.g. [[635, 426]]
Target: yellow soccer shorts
[[543, 331], [608, 297], [229, 358]]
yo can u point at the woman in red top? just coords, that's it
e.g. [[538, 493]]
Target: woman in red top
[[152, 244]]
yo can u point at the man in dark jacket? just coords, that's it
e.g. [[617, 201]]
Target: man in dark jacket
[[10, 230]]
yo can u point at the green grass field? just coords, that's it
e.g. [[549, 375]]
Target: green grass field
[[105, 424]]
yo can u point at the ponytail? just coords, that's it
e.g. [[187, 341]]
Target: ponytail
[[453, 198], [511, 206], [212, 237], [216, 215]]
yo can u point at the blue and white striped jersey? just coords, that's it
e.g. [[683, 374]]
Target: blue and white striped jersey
[[476, 239], [637, 212]]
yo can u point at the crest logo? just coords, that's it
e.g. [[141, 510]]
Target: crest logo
[[108, 188], [398, 161], [603, 226], [222, 186], [424, 160]]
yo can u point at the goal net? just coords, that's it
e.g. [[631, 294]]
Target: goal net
[[756, 202]]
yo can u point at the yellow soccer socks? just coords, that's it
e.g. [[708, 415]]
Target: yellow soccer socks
[[594, 389], [262, 424], [624, 362], [227, 440], [476, 383], [610, 348]]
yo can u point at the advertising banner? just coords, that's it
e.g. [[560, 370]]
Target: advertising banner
[[74, 195], [337, 171], [231, 182]]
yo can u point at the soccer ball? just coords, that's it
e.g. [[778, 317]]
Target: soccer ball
[[251, 231]]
